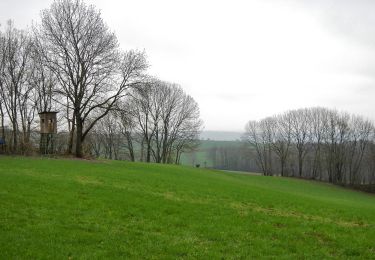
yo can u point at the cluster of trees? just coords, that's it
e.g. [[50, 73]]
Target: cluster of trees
[[72, 63], [316, 143], [18, 100], [156, 122], [233, 156]]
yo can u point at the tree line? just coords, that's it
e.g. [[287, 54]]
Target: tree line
[[72, 62], [157, 122], [315, 143], [229, 155]]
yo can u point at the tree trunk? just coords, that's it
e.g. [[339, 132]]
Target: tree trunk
[[130, 145], [2, 122], [282, 166], [79, 137], [148, 155], [300, 166], [15, 141], [71, 136]]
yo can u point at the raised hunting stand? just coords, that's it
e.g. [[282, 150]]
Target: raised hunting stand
[[48, 131]]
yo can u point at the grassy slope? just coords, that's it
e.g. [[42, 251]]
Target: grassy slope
[[66, 208]]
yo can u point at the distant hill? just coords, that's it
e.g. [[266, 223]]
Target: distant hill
[[221, 135]]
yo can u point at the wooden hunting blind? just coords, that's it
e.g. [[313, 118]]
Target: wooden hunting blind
[[48, 130]]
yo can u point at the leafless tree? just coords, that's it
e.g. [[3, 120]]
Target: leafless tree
[[141, 101], [109, 135], [162, 119], [259, 135], [2, 67], [180, 123], [84, 55], [127, 125], [336, 140], [361, 134], [318, 125], [185, 130], [282, 140], [15, 90], [300, 135]]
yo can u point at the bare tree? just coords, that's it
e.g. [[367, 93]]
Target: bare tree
[[141, 101], [15, 90], [318, 125], [361, 133], [336, 141], [176, 118], [84, 55], [282, 140], [109, 135], [259, 135], [300, 135], [127, 125], [182, 130], [164, 116], [2, 67]]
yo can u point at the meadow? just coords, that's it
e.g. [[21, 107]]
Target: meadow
[[77, 209]]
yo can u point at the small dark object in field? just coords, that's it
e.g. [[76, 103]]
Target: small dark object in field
[[197, 165]]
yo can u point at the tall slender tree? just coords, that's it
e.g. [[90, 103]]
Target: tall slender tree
[[85, 57]]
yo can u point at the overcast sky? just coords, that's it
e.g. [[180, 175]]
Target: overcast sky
[[245, 60]]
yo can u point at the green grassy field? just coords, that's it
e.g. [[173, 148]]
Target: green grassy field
[[71, 209]]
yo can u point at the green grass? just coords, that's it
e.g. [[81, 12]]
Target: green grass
[[71, 209]]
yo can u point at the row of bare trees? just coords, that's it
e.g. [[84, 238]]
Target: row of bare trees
[[72, 62], [234, 156], [315, 143], [19, 96], [156, 122]]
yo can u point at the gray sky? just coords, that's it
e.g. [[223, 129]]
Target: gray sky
[[245, 60]]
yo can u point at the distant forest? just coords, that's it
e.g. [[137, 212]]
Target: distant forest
[[312, 143]]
